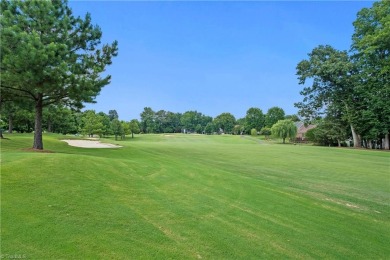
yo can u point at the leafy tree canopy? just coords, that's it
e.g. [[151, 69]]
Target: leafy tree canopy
[[283, 129], [112, 114], [274, 114], [226, 122], [254, 119]]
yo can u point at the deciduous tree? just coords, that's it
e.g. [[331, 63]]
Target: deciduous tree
[[105, 119], [116, 127], [293, 118], [274, 114], [283, 129], [226, 122], [371, 53], [125, 129], [254, 118], [333, 85], [148, 120], [59, 119], [210, 128], [190, 119], [266, 131], [91, 123], [134, 127]]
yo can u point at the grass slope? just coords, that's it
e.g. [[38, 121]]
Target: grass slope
[[193, 196]]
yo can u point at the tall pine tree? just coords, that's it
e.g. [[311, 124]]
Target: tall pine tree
[[50, 57]]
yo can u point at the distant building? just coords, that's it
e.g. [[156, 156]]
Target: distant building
[[302, 129]]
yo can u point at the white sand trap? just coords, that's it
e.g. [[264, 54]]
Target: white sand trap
[[90, 144]]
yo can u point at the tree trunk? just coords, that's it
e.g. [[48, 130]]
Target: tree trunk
[[387, 143], [284, 140], [49, 126], [10, 124], [356, 138], [38, 143], [339, 142], [1, 134], [132, 135]]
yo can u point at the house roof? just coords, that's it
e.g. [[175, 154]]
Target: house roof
[[302, 128], [298, 124]]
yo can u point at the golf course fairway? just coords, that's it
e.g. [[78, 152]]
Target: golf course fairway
[[182, 196]]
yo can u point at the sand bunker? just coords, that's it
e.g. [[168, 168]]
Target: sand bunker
[[90, 144]]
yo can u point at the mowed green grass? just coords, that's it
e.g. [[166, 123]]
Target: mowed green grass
[[192, 197]]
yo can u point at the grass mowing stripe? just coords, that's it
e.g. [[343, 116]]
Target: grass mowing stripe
[[193, 196]]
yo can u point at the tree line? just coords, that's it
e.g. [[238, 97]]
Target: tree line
[[349, 91], [52, 63], [64, 120], [196, 122]]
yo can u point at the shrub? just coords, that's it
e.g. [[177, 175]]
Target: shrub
[[266, 132], [253, 131]]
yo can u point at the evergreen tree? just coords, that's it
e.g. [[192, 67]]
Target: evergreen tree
[[48, 56]]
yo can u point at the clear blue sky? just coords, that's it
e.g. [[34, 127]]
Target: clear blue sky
[[212, 57]]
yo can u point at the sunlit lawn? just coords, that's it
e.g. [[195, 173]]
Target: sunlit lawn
[[193, 196]]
